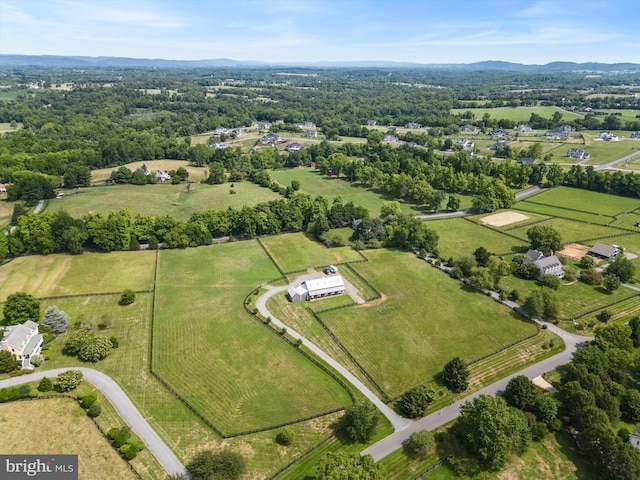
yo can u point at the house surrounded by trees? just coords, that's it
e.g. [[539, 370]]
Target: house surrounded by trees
[[24, 341]]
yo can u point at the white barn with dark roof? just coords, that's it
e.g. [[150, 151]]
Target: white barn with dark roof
[[316, 288]]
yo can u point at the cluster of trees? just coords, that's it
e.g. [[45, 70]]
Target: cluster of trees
[[20, 307], [87, 345], [483, 269], [89, 401], [140, 177], [395, 230], [127, 444], [597, 390], [225, 464]]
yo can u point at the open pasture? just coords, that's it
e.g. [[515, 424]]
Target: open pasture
[[604, 152], [236, 372], [573, 231], [517, 114], [559, 212], [196, 174], [577, 199], [61, 426], [459, 237], [77, 274], [408, 337], [157, 200], [296, 251], [314, 183]]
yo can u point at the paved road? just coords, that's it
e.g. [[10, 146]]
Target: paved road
[[123, 406], [615, 162], [396, 420], [461, 213], [39, 207], [395, 441]]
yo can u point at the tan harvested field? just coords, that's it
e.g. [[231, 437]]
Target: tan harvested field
[[196, 174], [59, 425], [574, 251], [77, 274], [503, 218]]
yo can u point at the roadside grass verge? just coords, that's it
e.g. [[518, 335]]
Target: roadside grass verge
[[407, 338], [238, 374], [458, 237], [296, 251], [305, 468], [63, 274], [161, 199]]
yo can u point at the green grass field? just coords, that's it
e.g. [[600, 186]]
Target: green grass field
[[77, 274], [158, 200], [577, 199], [518, 114], [407, 338], [234, 370], [314, 183], [604, 152], [296, 251], [6, 210], [461, 237]]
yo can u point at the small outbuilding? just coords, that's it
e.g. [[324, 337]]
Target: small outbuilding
[[316, 288], [604, 252]]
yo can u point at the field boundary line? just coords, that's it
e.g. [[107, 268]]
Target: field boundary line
[[78, 295]]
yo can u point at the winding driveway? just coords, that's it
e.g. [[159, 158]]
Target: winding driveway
[[404, 427], [396, 420], [125, 408]]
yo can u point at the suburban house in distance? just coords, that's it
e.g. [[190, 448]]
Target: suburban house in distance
[[550, 265], [469, 128], [465, 144], [635, 134], [316, 288], [294, 147], [604, 252], [162, 176], [523, 128], [23, 341], [578, 153], [413, 125], [607, 137], [310, 134], [270, 138]]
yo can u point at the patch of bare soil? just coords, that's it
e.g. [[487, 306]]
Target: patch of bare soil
[[503, 218]]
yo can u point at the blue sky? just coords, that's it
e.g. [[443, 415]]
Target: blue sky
[[422, 31]]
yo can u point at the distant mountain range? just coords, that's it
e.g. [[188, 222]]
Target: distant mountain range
[[80, 61]]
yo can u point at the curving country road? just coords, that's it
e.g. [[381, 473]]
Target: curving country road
[[125, 408], [397, 439]]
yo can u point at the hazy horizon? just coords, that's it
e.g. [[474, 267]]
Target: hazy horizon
[[286, 31]]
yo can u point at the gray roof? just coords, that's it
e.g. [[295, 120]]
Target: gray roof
[[534, 255], [603, 250], [18, 335], [545, 263], [31, 345]]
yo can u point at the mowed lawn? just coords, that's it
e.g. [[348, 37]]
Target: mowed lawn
[[459, 237], [163, 199], [296, 251], [425, 320], [236, 372], [59, 425], [6, 210], [64, 274]]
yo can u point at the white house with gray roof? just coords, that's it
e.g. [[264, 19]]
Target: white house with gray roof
[[550, 265], [23, 341], [316, 288]]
